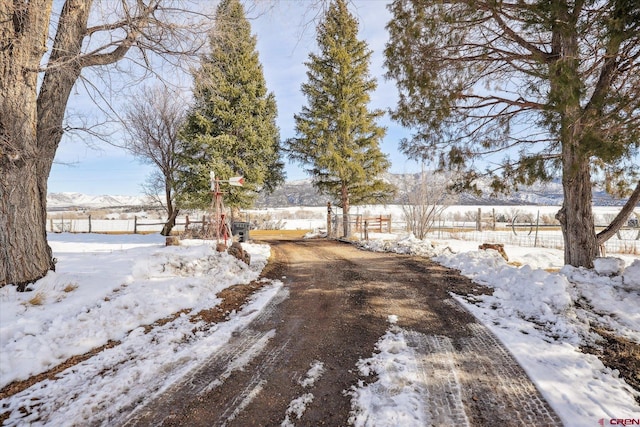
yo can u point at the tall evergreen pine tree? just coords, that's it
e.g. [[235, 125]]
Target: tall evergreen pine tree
[[231, 128], [337, 136]]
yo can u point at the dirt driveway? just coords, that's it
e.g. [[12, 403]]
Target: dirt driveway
[[334, 308]]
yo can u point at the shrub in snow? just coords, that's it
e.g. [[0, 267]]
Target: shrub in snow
[[631, 275], [608, 266]]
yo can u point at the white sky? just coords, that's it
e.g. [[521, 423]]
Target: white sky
[[284, 45]]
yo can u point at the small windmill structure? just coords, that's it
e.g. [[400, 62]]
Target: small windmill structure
[[219, 224]]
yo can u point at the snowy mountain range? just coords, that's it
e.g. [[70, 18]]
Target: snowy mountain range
[[57, 201], [302, 193]]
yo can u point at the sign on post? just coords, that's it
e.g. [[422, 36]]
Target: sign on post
[[236, 181]]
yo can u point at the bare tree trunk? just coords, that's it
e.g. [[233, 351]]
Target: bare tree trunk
[[576, 214], [171, 222], [23, 238], [31, 131], [31, 123], [345, 210], [63, 70], [172, 212], [25, 255]]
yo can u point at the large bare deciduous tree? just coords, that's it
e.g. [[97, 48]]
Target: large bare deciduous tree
[[37, 75], [153, 120], [552, 84]]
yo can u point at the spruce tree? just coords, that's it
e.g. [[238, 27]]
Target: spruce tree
[[231, 127], [337, 135]]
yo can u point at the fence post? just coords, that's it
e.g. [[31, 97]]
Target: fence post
[[493, 218], [535, 240], [389, 224], [328, 219], [186, 223], [366, 230], [135, 224], [479, 220], [89, 223]]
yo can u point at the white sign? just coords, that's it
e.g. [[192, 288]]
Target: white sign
[[237, 181]]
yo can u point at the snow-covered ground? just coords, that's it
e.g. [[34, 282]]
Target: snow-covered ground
[[532, 312], [108, 288]]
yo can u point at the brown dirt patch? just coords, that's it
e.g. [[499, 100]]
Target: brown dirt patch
[[621, 354]]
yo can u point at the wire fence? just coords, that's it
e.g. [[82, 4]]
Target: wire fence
[[626, 241], [543, 239], [133, 225], [363, 227], [119, 226]]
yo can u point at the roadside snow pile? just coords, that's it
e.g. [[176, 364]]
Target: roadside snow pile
[[95, 297], [608, 266], [610, 301], [631, 276], [553, 301], [550, 301], [196, 261], [409, 245], [532, 294]]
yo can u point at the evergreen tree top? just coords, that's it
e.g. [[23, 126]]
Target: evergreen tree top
[[338, 137], [231, 128]]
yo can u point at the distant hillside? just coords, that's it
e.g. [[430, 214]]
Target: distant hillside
[[57, 201], [302, 193], [292, 193]]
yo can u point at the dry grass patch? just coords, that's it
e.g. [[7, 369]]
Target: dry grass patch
[[37, 299], [70, 287]]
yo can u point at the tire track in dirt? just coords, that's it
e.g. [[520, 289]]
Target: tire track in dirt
[[239, 351], [338, 307], [439, 374]]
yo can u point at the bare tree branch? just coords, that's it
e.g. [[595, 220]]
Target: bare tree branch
[[621, 218]]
